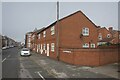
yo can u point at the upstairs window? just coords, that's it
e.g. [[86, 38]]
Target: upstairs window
[[85, 31], [44, 34], [38, 36], [100, 36], [108, 35], [29, 35], [29, 44], [52, 47], [33, 37], [29, 40], [52, 30], [86, 45]]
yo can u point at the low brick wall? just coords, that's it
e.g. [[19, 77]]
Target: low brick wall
[[89, 57]]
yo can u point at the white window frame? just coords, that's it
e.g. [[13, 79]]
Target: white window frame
[[92, 45], [108, 35], [29, 40], [29, 35], [85, 31], [44, 46], [52, 30], [86, 45], [29, 44], [44, 33], [100, 36], [38, 36], [52, 47]]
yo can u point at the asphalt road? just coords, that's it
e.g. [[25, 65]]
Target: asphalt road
[[30, 69], [10, 63], [16, 66]]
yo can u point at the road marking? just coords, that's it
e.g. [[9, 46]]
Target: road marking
[[3, 60], [8, 55], [41, 75]]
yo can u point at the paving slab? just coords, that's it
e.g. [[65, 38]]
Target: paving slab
[[63, 70]]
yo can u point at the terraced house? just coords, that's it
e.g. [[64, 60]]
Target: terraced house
[[65, 39]]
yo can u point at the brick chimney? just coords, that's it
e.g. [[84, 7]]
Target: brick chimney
[[110, 29]]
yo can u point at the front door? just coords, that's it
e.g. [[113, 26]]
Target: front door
[[41, 50], [37, 48], [47, 49]]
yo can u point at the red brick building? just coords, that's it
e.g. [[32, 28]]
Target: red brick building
[[115, 35], [104, 36], [28, 37], [69, 36]]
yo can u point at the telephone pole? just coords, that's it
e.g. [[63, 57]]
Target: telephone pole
[[57, 45]]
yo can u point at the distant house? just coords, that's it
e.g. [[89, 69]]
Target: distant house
[[115, 35], [28, 37], [8, 42], [104, 36], [62, 40]]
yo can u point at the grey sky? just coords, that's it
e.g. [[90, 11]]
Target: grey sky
[[0, 18], [19, 18]]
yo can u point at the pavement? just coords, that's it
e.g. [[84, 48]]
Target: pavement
[[63, 70], [110, 70]]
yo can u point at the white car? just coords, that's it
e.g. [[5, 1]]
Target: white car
[[25, 52]]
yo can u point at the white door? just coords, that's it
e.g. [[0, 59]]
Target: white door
[[37, 48], [47, 49], [41, 49]]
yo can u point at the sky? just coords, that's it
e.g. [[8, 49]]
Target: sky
[[19, 18], [0, 18]]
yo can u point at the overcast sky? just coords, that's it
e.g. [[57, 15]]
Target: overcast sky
[[21, 17]]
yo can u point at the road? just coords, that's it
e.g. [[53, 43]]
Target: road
[[10, 63], [16, 66]]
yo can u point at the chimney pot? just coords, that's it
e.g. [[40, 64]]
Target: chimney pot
[[110, 29]]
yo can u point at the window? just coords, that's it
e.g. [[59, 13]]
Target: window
[[39, 46], [52, 30], [44, 46], [86, 45], [29, 40], [29, 44], [38, 36], [92, 45], [100, 36], [33, 37], [29, 35], [85, 31], [44, 34], [52, 47], [108, 35]]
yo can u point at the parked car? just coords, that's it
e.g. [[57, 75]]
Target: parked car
[[4, 47], [25, 52]]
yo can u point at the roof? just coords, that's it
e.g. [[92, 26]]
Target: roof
[[114, 32], [106, 40], [67, 17], [38, 31], [29, 32]]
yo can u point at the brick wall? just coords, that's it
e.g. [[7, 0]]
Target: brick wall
[[89, 57]]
